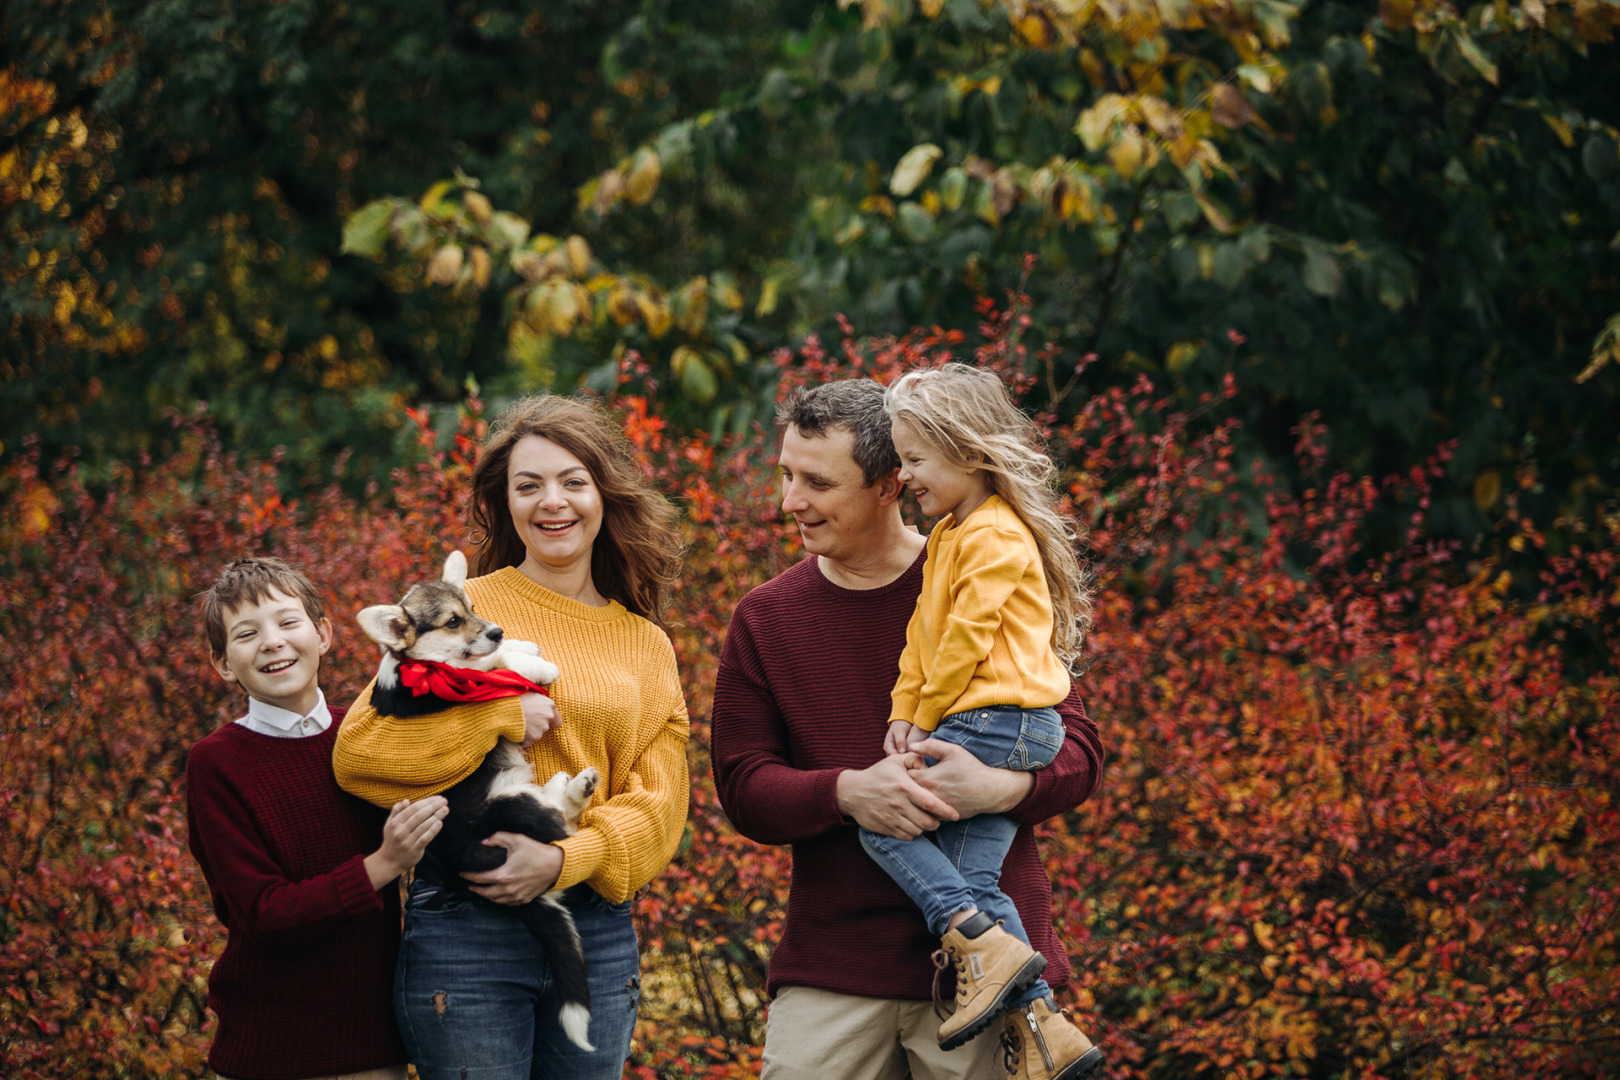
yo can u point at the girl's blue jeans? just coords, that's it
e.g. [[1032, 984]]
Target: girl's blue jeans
[[474, 999], [958, 866]]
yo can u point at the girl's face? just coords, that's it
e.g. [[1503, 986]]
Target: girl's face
[[555, 504], [940, 486]]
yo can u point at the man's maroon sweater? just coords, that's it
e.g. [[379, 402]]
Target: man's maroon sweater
[[802, 694], [305, 985]]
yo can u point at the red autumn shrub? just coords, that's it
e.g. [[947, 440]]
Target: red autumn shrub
[[1353, 823]]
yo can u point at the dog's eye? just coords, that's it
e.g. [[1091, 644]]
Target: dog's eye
[[455, 621]]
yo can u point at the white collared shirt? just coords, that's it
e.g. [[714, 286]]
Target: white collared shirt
[[282, 723]]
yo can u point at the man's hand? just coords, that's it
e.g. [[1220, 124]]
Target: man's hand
[[885, 799], [967, 784], [530, 869], [540, 715]]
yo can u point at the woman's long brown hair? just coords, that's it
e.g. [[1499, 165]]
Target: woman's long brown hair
[[637, 554]]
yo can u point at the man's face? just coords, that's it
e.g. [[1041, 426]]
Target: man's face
[[839, 517]]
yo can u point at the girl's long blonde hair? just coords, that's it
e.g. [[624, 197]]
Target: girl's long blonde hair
[[966, 413]]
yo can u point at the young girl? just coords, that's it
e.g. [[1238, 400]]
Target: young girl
[[1003, 607]]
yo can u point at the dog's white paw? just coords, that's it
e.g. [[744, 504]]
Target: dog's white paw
[[577, 795], [524, 658], [583, 786]]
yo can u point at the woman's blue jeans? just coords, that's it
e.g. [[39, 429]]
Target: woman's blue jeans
[[958, 866], [474, 999]]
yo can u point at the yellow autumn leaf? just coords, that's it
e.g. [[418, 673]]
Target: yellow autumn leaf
[[690, 305], [621, 305], [445, 266], [1035, 32], [1213, 214], [655, 314], [1095, 122], [913, 168], [579, 256], [435, 194], [769, 294], [1128, 153], [562, 306], [642, 182], [478, 205], [1164, 120]]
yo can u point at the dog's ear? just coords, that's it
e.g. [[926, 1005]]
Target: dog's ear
[[455, 569], [386, 624]]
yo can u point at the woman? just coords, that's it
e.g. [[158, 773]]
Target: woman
[[577, 552]]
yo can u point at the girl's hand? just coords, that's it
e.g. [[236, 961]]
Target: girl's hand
[[540, 715], [530, 869], [898, 740], [406, 834]]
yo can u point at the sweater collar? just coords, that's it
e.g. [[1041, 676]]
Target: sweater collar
[[882, 591], [511, 579]]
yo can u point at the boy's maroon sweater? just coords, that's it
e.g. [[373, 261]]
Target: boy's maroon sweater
[[802, 693], [304, 987]]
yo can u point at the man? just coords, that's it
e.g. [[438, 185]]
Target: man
[[800, 709]]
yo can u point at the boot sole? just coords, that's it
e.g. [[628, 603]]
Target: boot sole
[[1016, 985], [1082, 1066]]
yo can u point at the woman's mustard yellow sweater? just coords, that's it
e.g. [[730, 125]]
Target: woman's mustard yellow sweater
[[619, 695], [982, 631]]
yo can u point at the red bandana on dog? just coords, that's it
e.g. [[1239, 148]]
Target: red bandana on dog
[[461, 684]]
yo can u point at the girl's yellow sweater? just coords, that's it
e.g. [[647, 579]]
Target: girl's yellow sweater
[[619, 695], [982, 631]]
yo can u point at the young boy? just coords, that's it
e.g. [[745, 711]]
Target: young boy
[[302, 875]]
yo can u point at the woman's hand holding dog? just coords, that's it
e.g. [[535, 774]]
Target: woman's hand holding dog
[[540, 715], [410, 827], [530, 869]]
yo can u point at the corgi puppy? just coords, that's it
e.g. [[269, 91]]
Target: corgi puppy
[[434, 622]]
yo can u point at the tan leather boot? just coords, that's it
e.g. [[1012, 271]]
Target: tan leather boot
[[991, 967], [1040, 1044]]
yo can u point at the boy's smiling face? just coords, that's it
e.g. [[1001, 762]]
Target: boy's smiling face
[[274, 649]]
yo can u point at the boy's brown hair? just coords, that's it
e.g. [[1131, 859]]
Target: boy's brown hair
[[251, 581]]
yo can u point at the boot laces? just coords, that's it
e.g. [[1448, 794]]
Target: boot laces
[[944, 960], [1012, 1047]]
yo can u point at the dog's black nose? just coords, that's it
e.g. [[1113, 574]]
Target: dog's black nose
[[494, 633]]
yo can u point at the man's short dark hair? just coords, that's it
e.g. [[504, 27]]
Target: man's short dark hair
[[852, 405]]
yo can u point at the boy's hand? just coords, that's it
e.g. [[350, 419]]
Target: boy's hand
[[898, 740], [406, 834], [540, 715]]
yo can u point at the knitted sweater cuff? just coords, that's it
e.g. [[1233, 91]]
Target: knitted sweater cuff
[[584, 854], [354, 887], [824, 801]]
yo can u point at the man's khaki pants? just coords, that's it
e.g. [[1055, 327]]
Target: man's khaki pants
[[815, 1034]]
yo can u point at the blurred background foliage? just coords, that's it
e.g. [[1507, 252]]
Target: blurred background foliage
[[311, 215]]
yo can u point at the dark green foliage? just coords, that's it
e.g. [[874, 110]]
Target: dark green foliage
[[1403, 222]]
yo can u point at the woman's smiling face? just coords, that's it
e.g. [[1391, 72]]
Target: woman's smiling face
[[555, 504]]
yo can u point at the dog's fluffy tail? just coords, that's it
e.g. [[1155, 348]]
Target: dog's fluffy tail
[[553, 927]]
